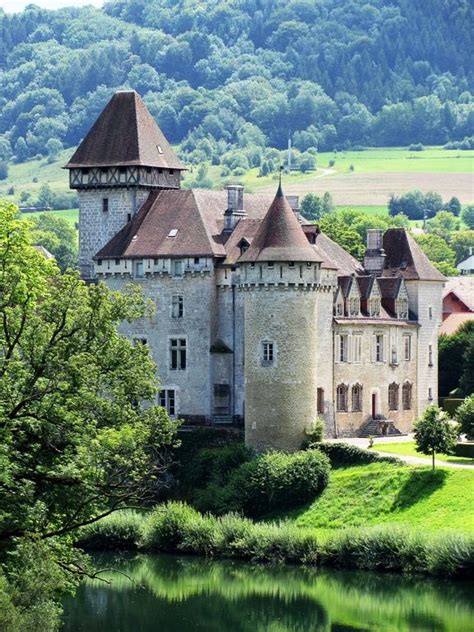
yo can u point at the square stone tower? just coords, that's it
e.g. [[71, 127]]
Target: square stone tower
[[123, 157]]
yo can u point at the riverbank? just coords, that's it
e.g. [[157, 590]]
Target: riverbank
[[177, 528]]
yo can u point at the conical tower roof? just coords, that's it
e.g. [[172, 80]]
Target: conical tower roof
[[125, 134], [280, 236]]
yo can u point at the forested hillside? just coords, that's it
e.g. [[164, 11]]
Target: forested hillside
[[242, 73]]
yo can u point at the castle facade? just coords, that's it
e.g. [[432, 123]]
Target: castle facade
[[259, 317]]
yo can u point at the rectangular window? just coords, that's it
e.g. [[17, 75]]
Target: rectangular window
[[320, 401], [167, 399], [177, 267], [138, 269], [357, 348], [430, 394], [343, 348], [430, 355], [379, 348], [430, 312], [268, 353], [407, 348], [177, 306], [105, 205], [177, 354]]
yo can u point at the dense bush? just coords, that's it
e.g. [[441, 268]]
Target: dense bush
[[342, 454], [177, 528], [465, 450], [465, 416], [278, 481], [120, 530]]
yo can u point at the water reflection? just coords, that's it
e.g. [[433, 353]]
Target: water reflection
[[173, 594]]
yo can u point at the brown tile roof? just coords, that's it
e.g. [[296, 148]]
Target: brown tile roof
[[452, 323], [365, 285], [125, 134], [404, 257], [345, 283], [463, 287], [280, 236], [345, 263], [389, 286]]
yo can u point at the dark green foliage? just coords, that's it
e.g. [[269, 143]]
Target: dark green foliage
[[454, 360], [467, 216], [276, 481], [415, 204], [465, 450], [313, 206], [416, 147], [3, 170], [120, 530], [435, 433], [343, 454], [399, 74], [465, 417], [177, 528]]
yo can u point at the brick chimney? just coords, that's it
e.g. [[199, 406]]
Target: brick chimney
[[374, 258], [235, 206]]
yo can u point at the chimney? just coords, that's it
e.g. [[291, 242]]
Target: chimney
[[294, 202], [235, 206], [374, 259]]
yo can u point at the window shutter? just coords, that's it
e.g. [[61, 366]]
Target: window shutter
[[349, 348], [385, 351], [337, 350], [373, 347]]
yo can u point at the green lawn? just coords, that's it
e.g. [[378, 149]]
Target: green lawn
[[385, 493], [408, 449]]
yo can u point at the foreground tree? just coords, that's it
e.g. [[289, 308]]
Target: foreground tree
[[77, 441], [465, 417], [435, 433]]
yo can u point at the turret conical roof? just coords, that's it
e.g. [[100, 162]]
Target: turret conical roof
[[280, 236], [125, 134]]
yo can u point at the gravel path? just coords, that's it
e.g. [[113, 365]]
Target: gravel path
[[412, 460]]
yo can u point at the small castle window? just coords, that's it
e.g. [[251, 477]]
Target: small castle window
[[167, 399], [357, 398], [117, 262], [178, 354], [430, 355], [430, 312], [342, 353], [173, 232], [171, 172], [406, 396], [320, 401], [291, 264], [407, 347], [105, 205], [129, 217], [99, 262], [177, 306], [177, 268], [270, 264], [379, 351], [393, 391], [430, 394], [268, 353], [341, 398], [138, 269], [357, 348], [197, 260]]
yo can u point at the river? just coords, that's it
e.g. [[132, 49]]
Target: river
[[179, 594]]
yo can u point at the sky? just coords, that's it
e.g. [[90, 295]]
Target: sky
[[14, 6]]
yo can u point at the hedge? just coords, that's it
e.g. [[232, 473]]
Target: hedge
[[343, 454], [465, 449]]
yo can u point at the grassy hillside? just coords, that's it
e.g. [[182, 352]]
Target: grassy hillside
[[377, 173], [386, 493]]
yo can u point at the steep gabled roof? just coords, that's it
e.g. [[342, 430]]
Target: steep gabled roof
[[344, 262], [405, 257], [280, 236], [390, 286], [125, 134], [463, 288]]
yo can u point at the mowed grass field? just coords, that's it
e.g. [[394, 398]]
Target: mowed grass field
[[376, 175], [382, 493], [407, 448]]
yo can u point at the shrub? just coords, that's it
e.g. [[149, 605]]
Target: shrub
[[315, 433], [416, 147], [167, 526], [278, 481], [120, 530], [465, 450], [342, 454], [465, 416], [332, 162]]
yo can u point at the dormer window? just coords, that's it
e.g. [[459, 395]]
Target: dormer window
[[243, 245], [173, 232], [374, 307]]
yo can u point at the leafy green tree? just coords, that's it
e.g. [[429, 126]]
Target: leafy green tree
[[466, 382], [3, 170], [45, 196], [465, 417], [451, 361], [454, 206], [462, 242], [443, 224], [312, 207], [435, 433], [21, 150], [78, 439], [54, 147], [57, 236], [440, 254], [467, 216]]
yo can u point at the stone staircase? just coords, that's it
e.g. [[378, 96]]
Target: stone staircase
[[379, 426], [222, 420]]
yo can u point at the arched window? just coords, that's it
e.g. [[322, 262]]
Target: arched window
[[341, 398], [393, 391], [357, 398], [406, 396]]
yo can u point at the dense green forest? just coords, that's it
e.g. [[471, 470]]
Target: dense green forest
[[228, 78]]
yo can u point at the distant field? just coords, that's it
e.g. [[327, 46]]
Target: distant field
[[377, 174], [71, 215]]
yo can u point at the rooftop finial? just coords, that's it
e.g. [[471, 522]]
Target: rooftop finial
[[280, 190]]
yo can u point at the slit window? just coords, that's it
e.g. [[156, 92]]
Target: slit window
[[105, 205]]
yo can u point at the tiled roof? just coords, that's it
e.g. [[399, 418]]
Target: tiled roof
[[452, 323], [345, 263], [280, 236], [389, 286], [365, 285], [463, 287], [125, 134], [404, 257]]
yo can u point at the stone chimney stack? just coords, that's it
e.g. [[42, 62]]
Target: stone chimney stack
[[374, 259], [294, 202], [235, 206]]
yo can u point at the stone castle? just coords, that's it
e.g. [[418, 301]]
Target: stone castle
[[260, 318]]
